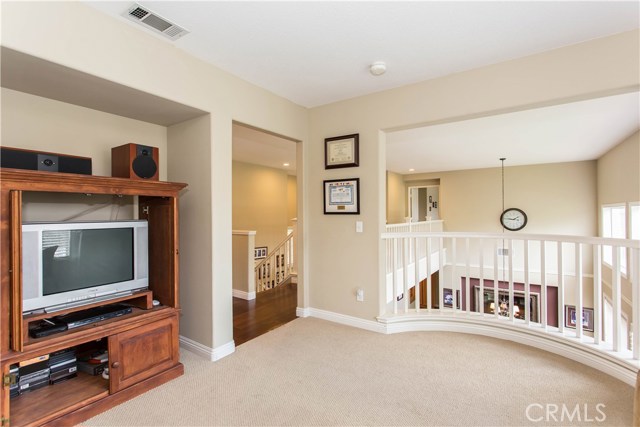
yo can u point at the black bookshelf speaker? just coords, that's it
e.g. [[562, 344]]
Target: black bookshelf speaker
[[17, 158], [135, 161]]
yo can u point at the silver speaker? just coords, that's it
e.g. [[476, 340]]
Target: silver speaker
[[30, 279], [142, 257]]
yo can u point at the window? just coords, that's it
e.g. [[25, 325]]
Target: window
[[614, 225], [634, 220]]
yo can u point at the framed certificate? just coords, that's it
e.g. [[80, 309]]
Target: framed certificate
[[342, 196], [341, 151]]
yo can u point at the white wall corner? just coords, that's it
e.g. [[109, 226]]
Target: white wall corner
[[208, 353], [244, 295], [303, 312]]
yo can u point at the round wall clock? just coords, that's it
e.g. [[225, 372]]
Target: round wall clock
[[513, 219]]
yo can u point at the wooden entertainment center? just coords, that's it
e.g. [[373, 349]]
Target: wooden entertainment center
[[142, 346]]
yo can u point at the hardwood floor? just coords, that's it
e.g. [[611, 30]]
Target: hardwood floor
[[269, 310]]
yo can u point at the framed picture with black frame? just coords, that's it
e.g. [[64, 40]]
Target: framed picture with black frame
[[260, 252], [341, 151], [342, 196]]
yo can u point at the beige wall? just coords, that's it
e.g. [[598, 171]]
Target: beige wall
[[292, 198], [596, 68], [196, 250], [35, 123], [244, 279], [619, 182], [260, 202], [396, 198], [619, 173], [69, 129], [558, 198], [113, 50]]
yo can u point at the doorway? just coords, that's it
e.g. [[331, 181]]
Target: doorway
[[265, 205], [424, 203]]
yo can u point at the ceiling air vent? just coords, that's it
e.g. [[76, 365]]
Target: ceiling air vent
[[155, 22]]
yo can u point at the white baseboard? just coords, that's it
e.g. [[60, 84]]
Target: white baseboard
[[244, 295], [303, 312], [208, 353], [343, 319]]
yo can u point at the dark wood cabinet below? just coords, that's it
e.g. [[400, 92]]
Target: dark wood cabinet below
[[143, 352]]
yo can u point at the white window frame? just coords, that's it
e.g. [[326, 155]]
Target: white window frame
[[633, 226], [607, 251]]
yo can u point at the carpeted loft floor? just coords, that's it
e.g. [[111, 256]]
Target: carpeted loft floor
[[311, 372]]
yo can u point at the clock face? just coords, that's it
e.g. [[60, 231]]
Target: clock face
[[513, 219]]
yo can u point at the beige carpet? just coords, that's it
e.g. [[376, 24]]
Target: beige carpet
[[313, 372]]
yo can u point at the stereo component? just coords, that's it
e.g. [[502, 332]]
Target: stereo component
[[135, 161], [18, 158]]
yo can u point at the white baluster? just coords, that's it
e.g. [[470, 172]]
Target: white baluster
[[416, 278], [496, 274], [405, 273], [543, 284], [511, 303], [635, 300], [454, 281], [560, 290], [440, 274], [597, 293], [617, 299], [481, 284], [467, 280], [527, 291], [428, 289], [394, 264], [578, 267]]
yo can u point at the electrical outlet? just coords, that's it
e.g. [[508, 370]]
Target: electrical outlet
[[360, 294]]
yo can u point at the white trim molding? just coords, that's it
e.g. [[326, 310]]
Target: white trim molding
[[212, 354], [303, 311], [244, 295], [356, 322]]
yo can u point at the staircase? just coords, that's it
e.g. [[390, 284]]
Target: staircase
[[279, 266]]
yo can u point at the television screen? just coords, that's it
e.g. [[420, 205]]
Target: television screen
[[78, 259]]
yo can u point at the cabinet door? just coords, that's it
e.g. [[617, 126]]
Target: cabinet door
[[142, 352], [162, 215]]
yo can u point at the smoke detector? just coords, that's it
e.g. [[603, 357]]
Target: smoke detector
[[378, 68], [155, 22]]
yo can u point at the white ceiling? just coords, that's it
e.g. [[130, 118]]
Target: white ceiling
[[561, 133], [318, 52], [257, 147]]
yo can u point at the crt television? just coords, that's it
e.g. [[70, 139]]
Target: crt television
[[67, 264]]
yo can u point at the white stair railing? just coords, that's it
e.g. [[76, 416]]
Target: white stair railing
[[541, 283], [278, 266]]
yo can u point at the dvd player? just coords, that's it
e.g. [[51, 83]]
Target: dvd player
[[92, 315]]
